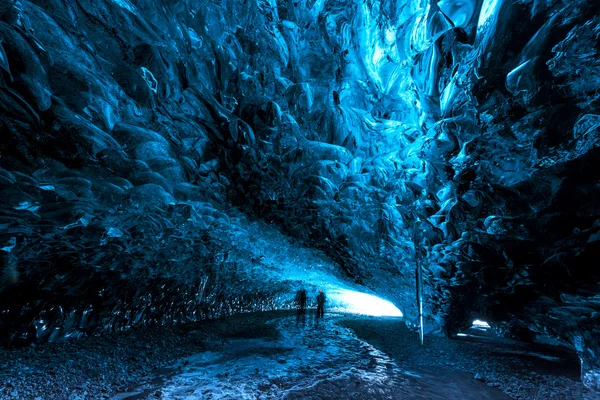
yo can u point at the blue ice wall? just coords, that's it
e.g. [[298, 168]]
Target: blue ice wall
[[146, 145]]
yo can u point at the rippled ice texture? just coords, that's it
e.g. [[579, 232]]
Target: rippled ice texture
[[140, 136]]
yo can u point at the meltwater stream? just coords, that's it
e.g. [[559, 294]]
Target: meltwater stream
[[305, 361]]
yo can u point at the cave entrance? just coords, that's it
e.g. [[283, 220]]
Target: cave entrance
[[350, 301], [478, 328]]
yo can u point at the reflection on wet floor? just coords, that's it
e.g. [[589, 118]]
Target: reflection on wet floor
[[304, 362]]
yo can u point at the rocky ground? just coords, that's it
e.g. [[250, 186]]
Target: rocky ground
[[164, 361], [531, 372], [308, 360], [99, 367]]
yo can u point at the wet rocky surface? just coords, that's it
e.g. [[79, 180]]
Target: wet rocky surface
[[307, 360], [270, 356], [521, 371], [99, 367]]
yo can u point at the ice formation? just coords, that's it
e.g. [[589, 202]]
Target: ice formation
[[170, 160]]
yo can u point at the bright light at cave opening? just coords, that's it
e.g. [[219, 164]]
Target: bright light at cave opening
[[481, 324], [363, 303]]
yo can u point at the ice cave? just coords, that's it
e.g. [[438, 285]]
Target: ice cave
[[300, 199]]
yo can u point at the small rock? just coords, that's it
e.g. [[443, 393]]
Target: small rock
[[479, 377]]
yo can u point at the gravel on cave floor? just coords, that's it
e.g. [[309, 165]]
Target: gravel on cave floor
[[529, 372], [102, 367], [98, 367]]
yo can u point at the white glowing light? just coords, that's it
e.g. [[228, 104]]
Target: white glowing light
[[378, 55], [461, 334], [390, 35], [362, 303], [481, 324]]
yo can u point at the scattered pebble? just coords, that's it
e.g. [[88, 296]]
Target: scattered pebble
[[98, 367], [501, 364]]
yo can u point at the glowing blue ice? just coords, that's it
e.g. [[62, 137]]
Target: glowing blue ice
[[488, 9]]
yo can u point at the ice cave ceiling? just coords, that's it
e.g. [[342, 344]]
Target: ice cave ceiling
[[168, 160]]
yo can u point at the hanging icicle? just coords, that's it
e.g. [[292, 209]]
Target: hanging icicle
[[419, 277]]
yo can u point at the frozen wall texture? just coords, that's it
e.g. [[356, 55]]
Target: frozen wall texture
[[144, 141]]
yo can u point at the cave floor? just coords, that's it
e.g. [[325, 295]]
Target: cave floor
[[271, 356]]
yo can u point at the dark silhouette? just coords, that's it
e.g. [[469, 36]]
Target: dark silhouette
[[320, 305], [301, 305]]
